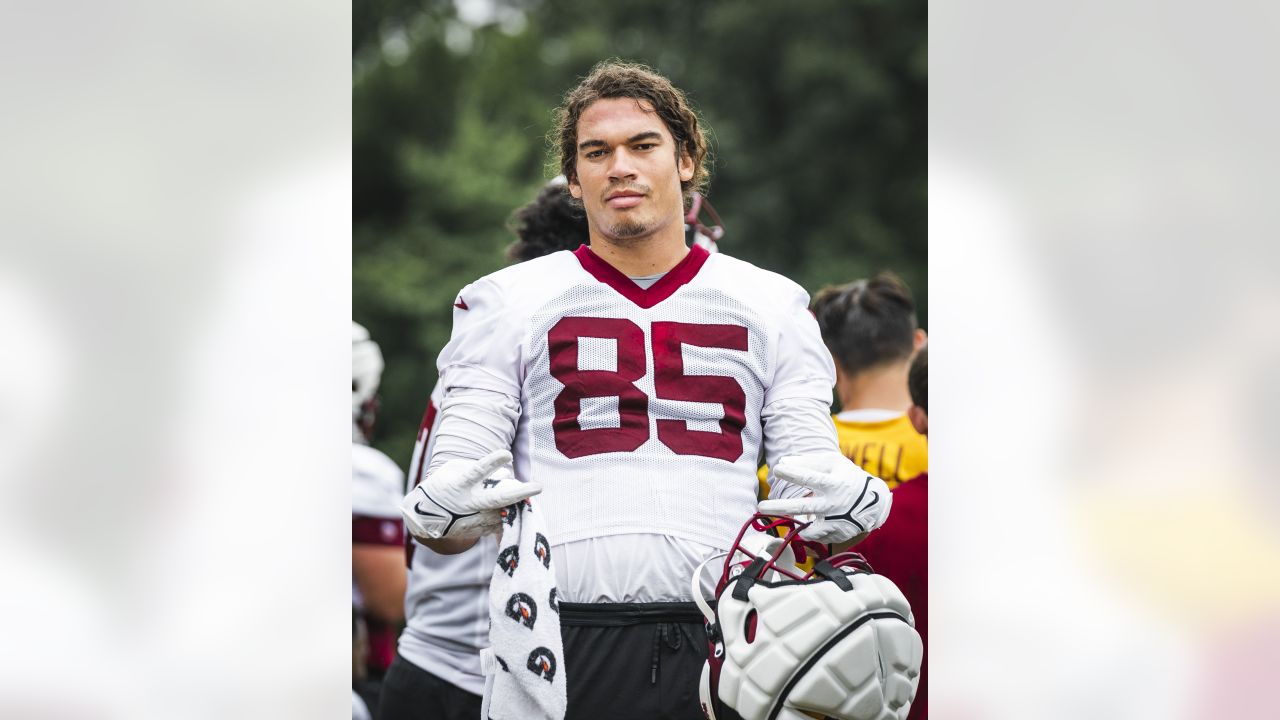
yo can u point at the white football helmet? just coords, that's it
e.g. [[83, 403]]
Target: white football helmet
[[839, 641], [366, 373]]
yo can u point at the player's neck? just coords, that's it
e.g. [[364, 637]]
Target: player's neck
[[882, 388], [640, 257]]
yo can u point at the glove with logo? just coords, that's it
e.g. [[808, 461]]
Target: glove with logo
[[463, 500], [846, 500]]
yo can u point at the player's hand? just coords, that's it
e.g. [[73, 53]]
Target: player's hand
[[846, 500], [463, 500]]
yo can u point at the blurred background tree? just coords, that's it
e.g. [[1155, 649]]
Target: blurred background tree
[[816, 111]]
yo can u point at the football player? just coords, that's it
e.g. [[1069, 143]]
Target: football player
[[377, 568], [635, 381], [870, 327]]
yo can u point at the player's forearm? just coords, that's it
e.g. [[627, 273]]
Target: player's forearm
[[380, 575], [472, 424], [799, 426], [448, 546], [848, 544]]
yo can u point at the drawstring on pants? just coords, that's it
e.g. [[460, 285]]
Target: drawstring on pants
[[670, 633]]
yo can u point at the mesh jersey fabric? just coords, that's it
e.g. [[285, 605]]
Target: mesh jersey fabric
[[640, 416]]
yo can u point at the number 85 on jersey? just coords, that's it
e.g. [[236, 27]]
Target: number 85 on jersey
[[573, 346]]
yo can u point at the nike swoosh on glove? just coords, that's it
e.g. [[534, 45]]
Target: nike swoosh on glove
[[846, 499], [463, 499]]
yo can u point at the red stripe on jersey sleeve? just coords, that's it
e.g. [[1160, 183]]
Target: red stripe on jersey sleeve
[[424, 437], [424, 433], [367, 530]]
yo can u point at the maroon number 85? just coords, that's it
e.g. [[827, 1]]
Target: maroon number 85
[[670, 383]]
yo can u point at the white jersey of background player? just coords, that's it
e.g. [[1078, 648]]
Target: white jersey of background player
[[376, 480], [641, 412], [377, 582]]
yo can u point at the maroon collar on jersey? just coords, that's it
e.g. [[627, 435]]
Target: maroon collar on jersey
[[683, 272]]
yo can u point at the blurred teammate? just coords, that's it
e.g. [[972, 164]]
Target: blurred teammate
[[635, 381], [900, 550], [870, 327], [377, 567]]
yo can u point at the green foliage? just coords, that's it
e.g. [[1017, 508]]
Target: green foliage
[[817, 112]]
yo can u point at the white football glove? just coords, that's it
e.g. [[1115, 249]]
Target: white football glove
[[463, 500], [846, 500]]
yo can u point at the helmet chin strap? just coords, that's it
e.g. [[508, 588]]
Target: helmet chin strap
[[696, 587], [705, 694]]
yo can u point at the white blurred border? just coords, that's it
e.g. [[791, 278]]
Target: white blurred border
[[175, 290], [174, 298], [1103, 531]]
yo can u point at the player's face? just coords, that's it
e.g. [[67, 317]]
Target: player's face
[[628, 172]]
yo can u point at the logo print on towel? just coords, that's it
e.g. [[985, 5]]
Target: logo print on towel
[[543, 663], [553, 601], [508, 559], [542, 549], [521, 608], [510, 512]]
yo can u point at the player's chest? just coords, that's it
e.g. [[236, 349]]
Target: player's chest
[[696, 333], [609, 376]]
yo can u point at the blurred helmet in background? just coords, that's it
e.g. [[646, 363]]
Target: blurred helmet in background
[[366, 372]]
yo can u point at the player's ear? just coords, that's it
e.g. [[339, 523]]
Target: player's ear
[[919, 419], [919, 340], [685, 165], [575, 188]]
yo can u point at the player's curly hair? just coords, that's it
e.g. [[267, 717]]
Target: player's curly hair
[[867, 323], [617, 79], [553, 221]]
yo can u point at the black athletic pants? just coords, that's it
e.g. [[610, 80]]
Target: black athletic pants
[[623, 661], [633, 661], [411, 693]]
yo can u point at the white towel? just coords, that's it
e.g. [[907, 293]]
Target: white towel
[[524, 663]]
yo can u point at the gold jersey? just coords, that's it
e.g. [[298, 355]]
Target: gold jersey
[[890, 449]]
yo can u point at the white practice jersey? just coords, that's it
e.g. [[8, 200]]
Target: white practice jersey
[[640, 409], [376, 491], [446, 602], [377, 484]]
